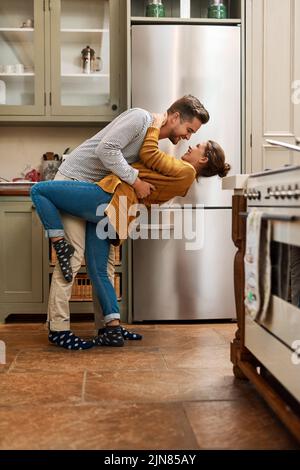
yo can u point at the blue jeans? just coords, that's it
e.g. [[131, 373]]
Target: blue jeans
[[80, 199]]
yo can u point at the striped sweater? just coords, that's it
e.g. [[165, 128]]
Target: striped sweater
[[112, 150]]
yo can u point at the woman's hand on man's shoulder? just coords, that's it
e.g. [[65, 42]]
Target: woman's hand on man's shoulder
[[159, 119]]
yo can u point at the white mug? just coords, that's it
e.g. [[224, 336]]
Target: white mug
[[2, 92], [9, 69], [29, 23], [19, 68]]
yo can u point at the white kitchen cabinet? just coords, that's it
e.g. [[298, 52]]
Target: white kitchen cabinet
[[41, 69], [273, 82], [22, 45]]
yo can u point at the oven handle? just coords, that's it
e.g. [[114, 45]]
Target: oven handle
[[279, 217]]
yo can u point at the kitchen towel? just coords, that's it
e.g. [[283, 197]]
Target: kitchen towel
[[257, 265]]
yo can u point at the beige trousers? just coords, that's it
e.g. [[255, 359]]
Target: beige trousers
[[58, 317]]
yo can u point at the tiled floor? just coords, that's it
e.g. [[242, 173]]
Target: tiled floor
[[172, 390]]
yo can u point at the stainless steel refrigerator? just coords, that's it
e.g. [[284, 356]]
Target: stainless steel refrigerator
[[168, 61]]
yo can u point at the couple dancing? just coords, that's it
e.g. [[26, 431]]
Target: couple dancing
[[123, 159]]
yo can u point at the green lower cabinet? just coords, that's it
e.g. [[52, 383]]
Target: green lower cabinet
[[25, 267], [21, 254]]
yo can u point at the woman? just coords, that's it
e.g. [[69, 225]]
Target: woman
[[169, 178]]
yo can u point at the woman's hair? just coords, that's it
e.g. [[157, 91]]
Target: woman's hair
[[216, 164], [190, 107]]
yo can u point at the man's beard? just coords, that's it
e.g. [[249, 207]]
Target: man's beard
[[174, 139]]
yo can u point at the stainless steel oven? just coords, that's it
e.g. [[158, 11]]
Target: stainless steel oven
[[275, 338]]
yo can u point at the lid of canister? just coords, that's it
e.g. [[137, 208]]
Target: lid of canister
[[154, 2], [216, 2]]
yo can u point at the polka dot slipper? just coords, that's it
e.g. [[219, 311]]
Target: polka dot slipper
[[110, 336], [67, 339], [127, 334]]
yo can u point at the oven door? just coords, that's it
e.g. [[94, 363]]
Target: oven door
[[283, 314], [275, 339]]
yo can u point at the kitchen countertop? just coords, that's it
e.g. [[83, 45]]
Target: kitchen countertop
[[235, 182], [15, 189]]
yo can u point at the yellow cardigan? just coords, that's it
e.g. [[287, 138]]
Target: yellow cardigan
[[171, 177]]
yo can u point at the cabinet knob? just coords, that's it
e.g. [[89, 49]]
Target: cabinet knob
[[114, 107]]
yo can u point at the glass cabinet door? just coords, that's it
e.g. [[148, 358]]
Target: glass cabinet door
[[85, 57], [21, 57]]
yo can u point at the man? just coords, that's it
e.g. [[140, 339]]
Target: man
[[112, 150]]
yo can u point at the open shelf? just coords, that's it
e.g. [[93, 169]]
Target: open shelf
[[86, 75], [77, 30], [198, 11], [24, 74], [7, 30], [213, 21]]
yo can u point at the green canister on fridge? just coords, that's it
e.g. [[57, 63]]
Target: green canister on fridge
[[217, 9], [155, 8]]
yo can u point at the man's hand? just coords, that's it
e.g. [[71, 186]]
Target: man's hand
[[142, 188], [159, 120]]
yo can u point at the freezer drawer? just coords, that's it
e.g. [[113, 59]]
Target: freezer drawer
[[170, 283]]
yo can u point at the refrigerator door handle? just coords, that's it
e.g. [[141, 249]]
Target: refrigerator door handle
[[279, 217]]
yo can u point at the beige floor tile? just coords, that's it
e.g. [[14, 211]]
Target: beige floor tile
[[179, 338], [237, 425], [157, 393], [164, 385], [192, 328], [17, 340], [134, 426], [97, 358], [228, 335], [10, 357], [36, 389], [22, 327], [201, 357], [226, 326]]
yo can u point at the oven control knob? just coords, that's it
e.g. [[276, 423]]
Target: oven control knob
[[271, 193], [297, 192], [268, 195], [290, 193], [283, 193], [276, 193], [256, 194]]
